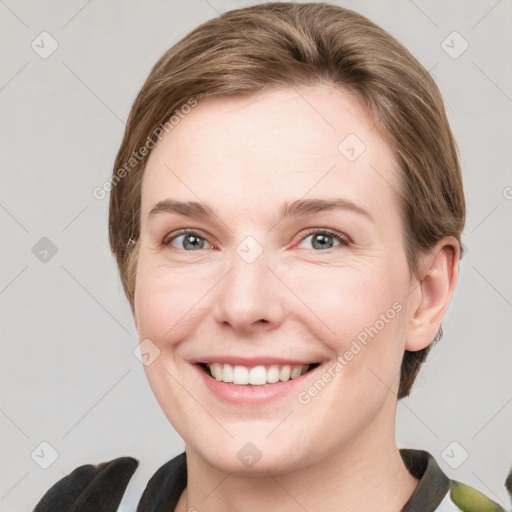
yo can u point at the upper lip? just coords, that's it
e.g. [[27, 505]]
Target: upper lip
[[254, 361]]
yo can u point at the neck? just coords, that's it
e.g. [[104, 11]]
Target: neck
[[369, 475]]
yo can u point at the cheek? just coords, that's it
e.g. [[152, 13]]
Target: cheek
[[166, 303], [346, 300], [357, 312]]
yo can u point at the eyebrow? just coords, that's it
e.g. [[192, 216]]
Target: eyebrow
[[300, 207]]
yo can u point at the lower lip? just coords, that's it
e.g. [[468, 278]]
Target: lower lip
[[250, 394]]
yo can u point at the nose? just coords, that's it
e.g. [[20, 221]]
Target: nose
[[250, 297]]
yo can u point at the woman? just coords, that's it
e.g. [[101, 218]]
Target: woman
[[286, 212]]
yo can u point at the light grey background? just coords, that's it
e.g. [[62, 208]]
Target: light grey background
[[69, 377]]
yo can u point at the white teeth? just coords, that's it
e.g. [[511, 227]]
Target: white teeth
[[284, 373], [227, 373], [217, 371], [273, 374], [257, 375], [295, 372], [240, 375]]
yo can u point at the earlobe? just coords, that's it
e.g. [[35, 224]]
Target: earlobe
[[440, 275]]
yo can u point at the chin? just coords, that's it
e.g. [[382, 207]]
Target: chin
[[251, 458], [275, 464]]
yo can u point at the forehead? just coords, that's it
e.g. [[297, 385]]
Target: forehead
[[275, 146]]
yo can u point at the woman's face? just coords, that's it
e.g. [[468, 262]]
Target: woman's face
[[274, 279]]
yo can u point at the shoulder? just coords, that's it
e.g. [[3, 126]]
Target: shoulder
[[436, 492], [165, 486], [464, 498], [90, 487]]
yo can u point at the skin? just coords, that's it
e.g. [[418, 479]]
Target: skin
[[247, 156]]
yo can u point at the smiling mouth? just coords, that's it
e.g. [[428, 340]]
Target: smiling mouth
[[256, 375]]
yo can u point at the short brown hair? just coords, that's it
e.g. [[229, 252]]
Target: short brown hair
[[252, 49]]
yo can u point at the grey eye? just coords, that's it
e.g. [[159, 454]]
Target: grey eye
[[190, 242], [322, 240]]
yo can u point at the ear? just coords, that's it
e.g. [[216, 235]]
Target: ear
[[432, 295]]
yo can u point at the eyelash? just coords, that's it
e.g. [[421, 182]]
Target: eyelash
[[343, 240]]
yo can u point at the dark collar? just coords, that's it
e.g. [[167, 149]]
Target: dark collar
[[165, 487], [433, 485]]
